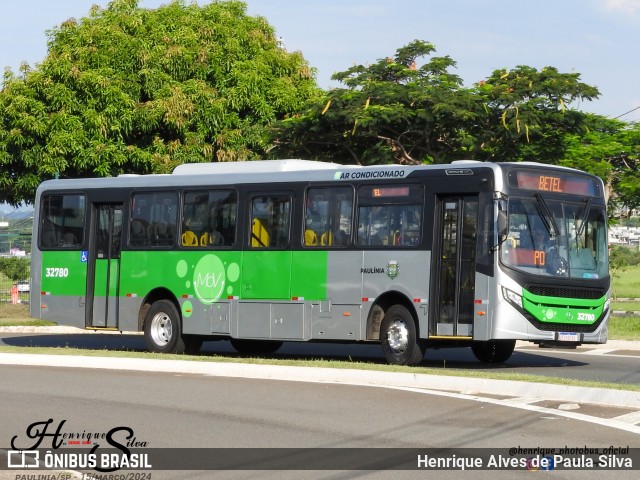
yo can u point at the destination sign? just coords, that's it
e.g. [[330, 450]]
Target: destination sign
[[554, 182]]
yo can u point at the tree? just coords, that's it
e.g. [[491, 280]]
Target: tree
[[134, 90], [392, 111], [610, 149], [395, 111], [15, 268], [528, 114]]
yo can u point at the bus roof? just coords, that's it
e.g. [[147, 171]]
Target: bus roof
[[272, 171], [256, 166]]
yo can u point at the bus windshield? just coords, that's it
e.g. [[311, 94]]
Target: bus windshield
[[556, 238]]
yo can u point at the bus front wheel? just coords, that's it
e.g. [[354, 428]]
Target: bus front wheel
[[399, 337], [493, 351], [162, 329]]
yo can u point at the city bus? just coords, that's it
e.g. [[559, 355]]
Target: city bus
[[467, 254]]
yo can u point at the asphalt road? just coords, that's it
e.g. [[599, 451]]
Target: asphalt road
[[182, 410], [617, 366]]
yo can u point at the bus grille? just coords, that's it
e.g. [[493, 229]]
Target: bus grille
[[566, 292], [564, 327]]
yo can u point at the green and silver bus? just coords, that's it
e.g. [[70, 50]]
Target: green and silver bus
[[259, 253]]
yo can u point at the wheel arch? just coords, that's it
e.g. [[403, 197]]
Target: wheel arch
[[381, 305], [154, 295]]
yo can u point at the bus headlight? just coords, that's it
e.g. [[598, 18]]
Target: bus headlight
[[512, 297]]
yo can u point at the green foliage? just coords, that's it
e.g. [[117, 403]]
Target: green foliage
[[630, 222], [610, 149], [15, 268], [621, 256], [392, 111], [528, 115], [396, 112], [134, 90]]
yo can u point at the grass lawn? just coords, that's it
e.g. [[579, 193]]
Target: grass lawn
[[624, 328], [626, 284]]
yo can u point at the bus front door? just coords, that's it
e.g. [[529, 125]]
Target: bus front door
[[104, 262], [454, 267]]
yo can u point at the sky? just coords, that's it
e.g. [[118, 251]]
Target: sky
[[599, 39]]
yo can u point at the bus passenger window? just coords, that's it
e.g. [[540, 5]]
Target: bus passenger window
[[153, 219], [328, 216], [63, 220], [209, 218], [270, 221], [389, 216]]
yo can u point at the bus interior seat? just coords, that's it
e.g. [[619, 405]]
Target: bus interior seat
[[327, 238], [340, 239], [582, 258], [189, 239], [214, 238], [310, 238], [138, 233], [161, 233], [259, 234], [69, 240]]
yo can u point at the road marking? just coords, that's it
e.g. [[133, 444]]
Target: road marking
[[609, 352], [605, 422], [633, 418], [601, 351]]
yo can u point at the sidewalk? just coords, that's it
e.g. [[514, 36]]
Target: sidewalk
[[535, 392]]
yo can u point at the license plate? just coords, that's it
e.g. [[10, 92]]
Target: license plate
[[568, 337]]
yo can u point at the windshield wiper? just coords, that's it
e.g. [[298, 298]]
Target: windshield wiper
[[583, 220], [547, 218]]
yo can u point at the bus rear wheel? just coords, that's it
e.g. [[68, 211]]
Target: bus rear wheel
[[162, 329], [255, 347], [493, 351], [399, 337]]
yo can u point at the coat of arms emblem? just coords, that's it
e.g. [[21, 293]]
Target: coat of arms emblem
[[393, 269]]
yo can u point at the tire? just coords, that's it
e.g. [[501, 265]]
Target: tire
[[493, 351], [162, 328], [399, 337], [255, 347]]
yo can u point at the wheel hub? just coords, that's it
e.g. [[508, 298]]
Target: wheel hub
[[161, 329], [398, 336]]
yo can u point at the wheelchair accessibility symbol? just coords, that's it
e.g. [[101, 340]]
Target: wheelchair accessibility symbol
[[84, 256]]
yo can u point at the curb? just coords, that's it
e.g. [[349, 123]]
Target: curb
[[463, 385]]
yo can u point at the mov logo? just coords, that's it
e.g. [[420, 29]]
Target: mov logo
[[209, 278]]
